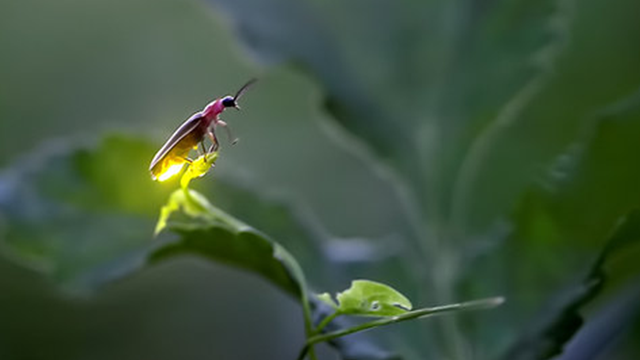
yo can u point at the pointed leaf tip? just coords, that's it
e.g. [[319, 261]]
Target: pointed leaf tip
[[327, 299]]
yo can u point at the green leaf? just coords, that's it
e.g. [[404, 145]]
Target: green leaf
[[369, 298], [327, 299], [81, 215], [198, 168], [601, 169], [192, 203], [549, 338], [227, 240], [559, 226], [110, 176], [245, 249], [551, 114]]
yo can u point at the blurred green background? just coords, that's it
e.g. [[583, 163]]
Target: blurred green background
[[452, 149]]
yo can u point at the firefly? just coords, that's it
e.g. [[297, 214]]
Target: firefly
[[173, 155]]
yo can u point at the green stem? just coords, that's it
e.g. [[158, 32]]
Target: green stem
[[203, 205], [308, 323], [470, 305], [326, 322], [312, 354], [303, 352]]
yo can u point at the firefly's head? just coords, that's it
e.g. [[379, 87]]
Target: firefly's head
[[232, 101], [217, 106], [229, 101]]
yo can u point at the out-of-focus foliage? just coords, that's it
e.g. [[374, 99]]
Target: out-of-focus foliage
[[72, 212], [467, 149], [549, 339], [471, 105]]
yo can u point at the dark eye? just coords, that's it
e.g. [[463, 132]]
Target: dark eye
[[228, 102]]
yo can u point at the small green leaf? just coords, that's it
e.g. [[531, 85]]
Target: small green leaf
[[198, 168], [369, 298], [171, 206], [327, 299], [481, 304]]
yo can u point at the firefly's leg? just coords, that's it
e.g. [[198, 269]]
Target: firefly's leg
[[232, 140], [202, 149], [214, 141]]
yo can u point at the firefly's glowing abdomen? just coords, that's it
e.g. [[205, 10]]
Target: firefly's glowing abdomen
[[174, 159]]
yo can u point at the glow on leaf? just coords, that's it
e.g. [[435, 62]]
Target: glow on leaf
[[170, 172], [189, 201], [199, 167]]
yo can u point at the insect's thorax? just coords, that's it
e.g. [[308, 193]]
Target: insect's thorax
[[212, 110]]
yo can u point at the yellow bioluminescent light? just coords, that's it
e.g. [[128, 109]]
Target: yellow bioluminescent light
[[170, 172]]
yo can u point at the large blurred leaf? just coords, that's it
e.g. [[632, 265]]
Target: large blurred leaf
[[408, 77], [560, 223], [75, 211], [549, 338], [588, 190], [596, 68], [595, 183], [85, 215]]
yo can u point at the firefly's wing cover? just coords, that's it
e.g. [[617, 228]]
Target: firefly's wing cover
[[183, 130]]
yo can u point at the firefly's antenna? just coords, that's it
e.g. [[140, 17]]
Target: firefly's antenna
[[234, 103], [244, 88]]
